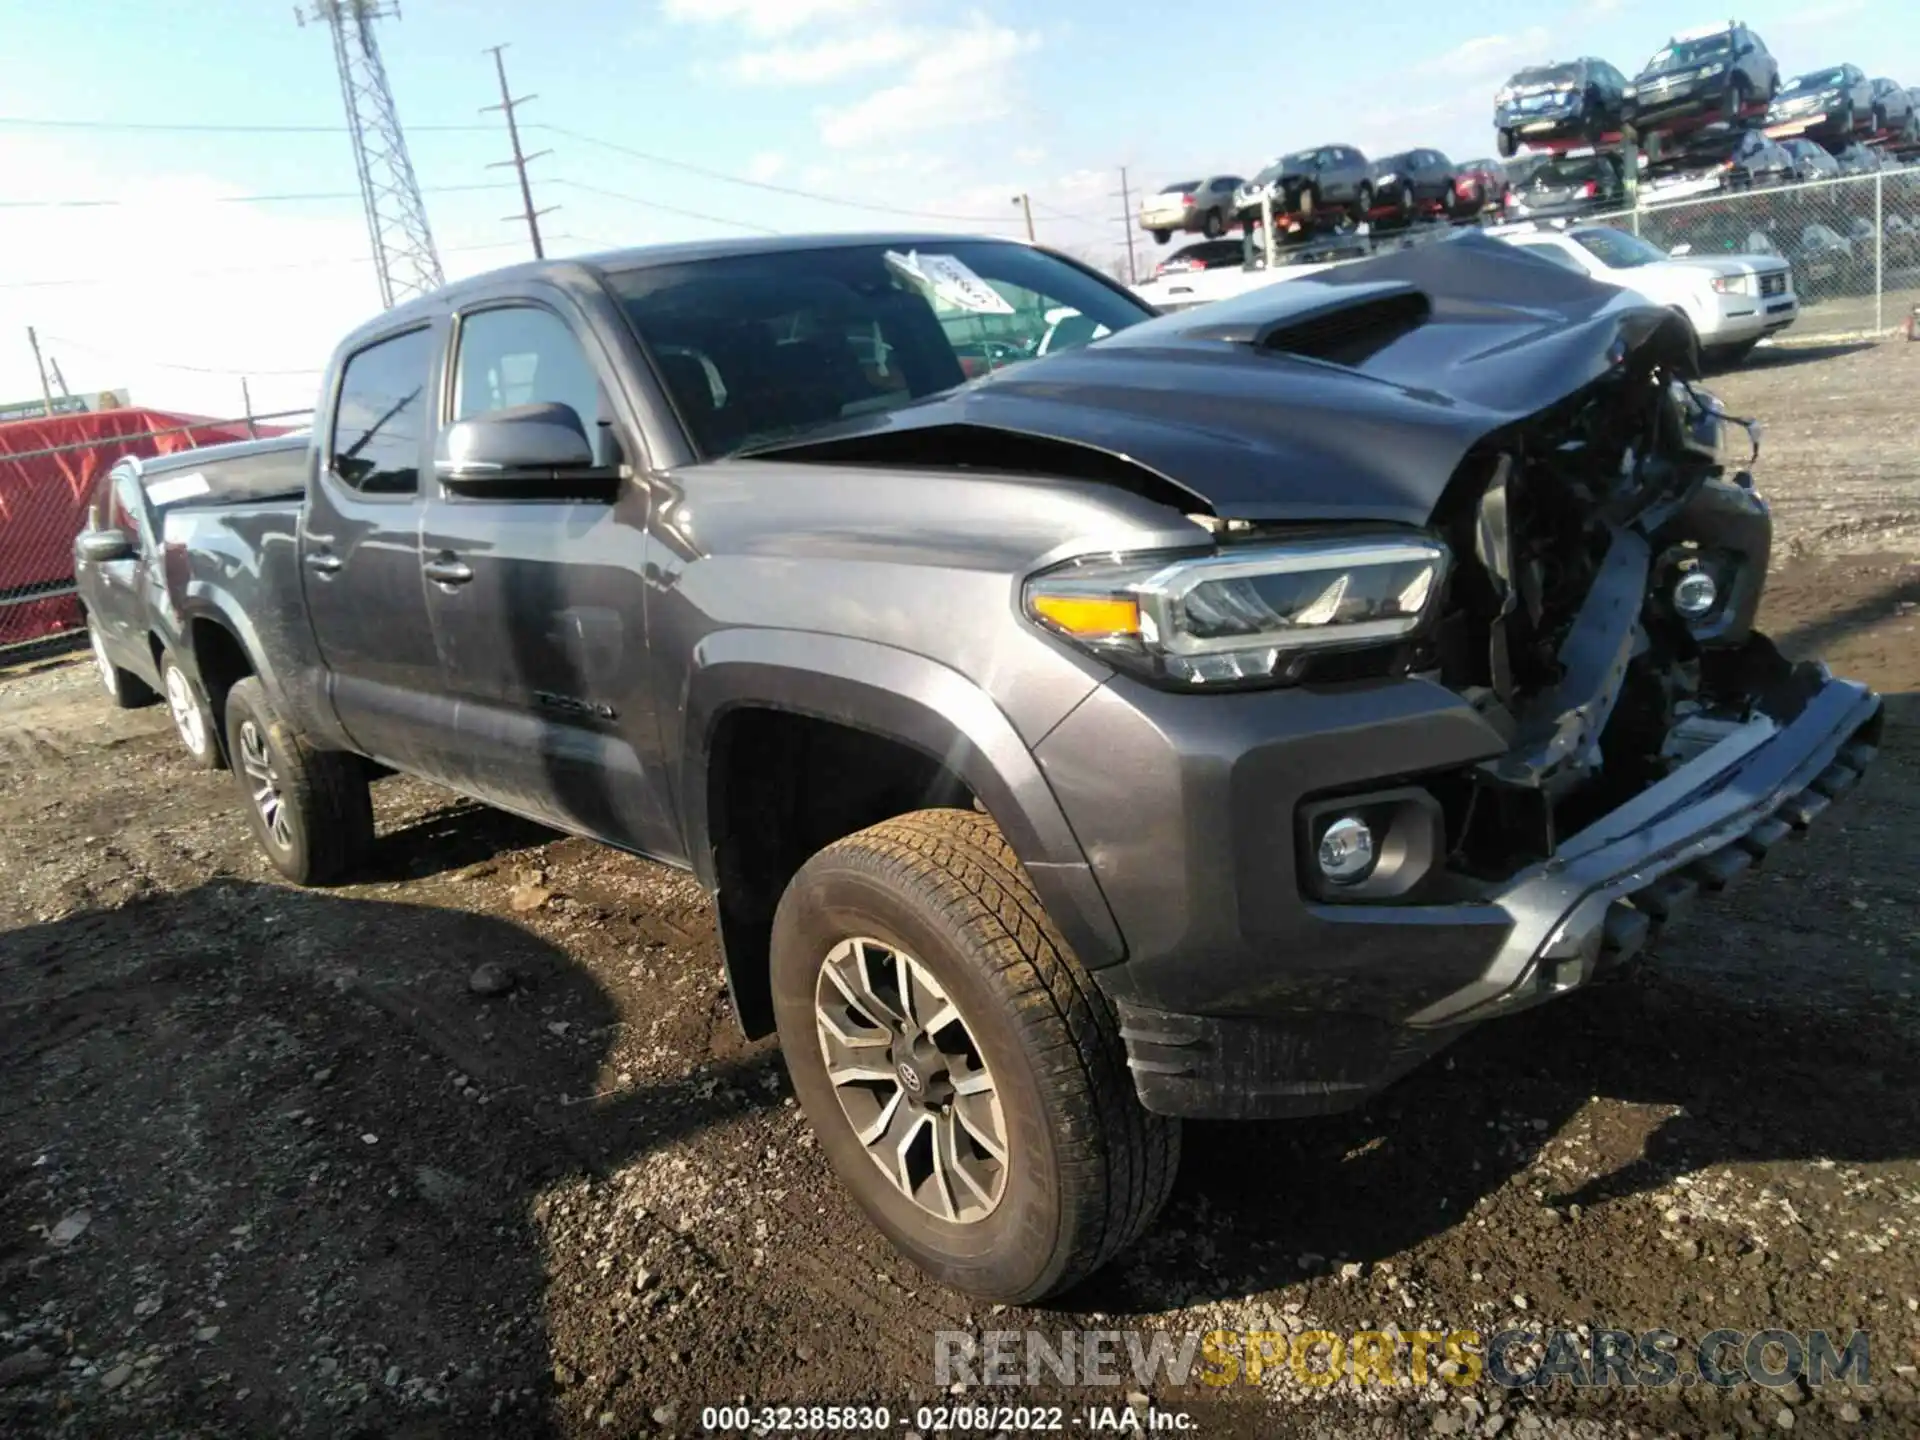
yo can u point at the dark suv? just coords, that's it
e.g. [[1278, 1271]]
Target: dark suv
[[1580, 98], [1835, 101], [1718, 72], [1894, 112], [1308, 182], [1414, 181]]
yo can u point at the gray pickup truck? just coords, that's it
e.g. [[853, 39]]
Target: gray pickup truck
[[1213, 715]]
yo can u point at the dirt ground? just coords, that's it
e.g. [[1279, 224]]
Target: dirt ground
[[268, 1164]]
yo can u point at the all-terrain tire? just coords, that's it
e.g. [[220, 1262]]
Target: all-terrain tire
[[192, 716], [126, 690], [322, 794], [1087, 1167]]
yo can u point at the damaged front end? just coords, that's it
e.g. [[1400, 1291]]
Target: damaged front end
[[1613, 553]]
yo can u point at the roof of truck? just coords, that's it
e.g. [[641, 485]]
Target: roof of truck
[[640, 257]]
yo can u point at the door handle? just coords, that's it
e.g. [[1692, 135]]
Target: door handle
[[445, 570], [324, 563]]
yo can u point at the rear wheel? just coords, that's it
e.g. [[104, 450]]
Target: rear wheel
[[124, 688], [1363, 201], [1309, 201], [1213, 227], [965, 1076], [1504, 142], [1161, 237], [310, 809], [192, 717]]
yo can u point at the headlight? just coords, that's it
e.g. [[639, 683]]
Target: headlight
[[1730, 284], [1712, 70], [1239, 615], [1387, 175]]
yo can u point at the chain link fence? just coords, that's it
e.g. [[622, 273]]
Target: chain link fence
[[49, 468], [1854, 243]]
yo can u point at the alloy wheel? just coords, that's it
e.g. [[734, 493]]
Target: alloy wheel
[[187, 718], [263, 782], [910, 1080]]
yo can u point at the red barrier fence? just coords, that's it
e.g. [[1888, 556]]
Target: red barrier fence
[[48, 468]]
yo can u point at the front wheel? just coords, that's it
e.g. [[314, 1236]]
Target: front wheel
[[310, 809], [965, 1076], [1161, 237], [192, 717], [1505, 143], [1363, 202]]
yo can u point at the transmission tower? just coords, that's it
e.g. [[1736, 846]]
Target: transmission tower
[[403, 253]]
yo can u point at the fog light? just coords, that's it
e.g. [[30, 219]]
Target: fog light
[[1346, 850], [1694, 595]]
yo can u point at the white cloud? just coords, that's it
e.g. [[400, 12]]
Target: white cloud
[[767, 165], [1494, 56], [766, 17], [208, 285], [960, 77], [827, 60]]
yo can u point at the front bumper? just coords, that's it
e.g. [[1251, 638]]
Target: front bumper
[[1241, 999], [1737, 319], [1566, 120], [1677, 102]]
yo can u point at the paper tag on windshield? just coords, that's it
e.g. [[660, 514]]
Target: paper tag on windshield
[[951, 282], [178, 487]]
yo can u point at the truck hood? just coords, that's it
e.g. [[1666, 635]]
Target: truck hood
[[1353, 394]]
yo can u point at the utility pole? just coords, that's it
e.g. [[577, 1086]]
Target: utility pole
[[1026, 206], [46, 390], [506, 107], [1126, 222]]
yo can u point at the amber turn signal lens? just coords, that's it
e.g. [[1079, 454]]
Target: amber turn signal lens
[[1088, 616]]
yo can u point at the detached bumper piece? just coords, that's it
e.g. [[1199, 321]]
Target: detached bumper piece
[[1266, 1067], [1614, 887]]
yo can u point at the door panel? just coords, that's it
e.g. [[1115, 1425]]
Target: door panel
[[360, 558], [541, 626]]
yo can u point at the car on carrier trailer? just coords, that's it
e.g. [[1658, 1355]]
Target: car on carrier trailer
[[1216, 719]]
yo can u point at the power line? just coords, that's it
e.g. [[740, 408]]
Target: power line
[[32, 122], [224, 271], [170, 365], [766, 185], [669, 209], [247, 199]]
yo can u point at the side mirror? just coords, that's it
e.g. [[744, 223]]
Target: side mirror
[[103, 547], [524, 450]]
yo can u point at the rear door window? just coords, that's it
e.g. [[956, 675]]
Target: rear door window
[[380, 420]]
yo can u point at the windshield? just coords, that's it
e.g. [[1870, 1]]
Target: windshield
[[1547, 75], [759, 348], [1818, 80], [1682, 54], [1618, 250]]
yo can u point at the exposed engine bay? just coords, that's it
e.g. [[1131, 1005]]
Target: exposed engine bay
[[1612, 554]]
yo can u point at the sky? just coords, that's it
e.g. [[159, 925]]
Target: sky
[[902, 114]]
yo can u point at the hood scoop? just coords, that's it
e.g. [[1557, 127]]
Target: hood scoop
[[1347, 327]]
